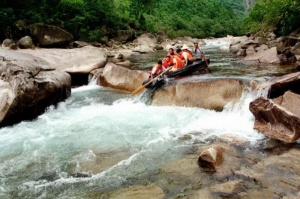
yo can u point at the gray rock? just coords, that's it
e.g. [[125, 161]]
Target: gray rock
[[28, 86], [48, 35]]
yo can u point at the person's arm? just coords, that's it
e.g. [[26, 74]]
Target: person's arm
[[202, 54], [175, 64], [153, 71], [185, 56]]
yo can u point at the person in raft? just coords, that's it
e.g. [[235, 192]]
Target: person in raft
[[199, 53], [157, 69], [185, 55], [174, 61], [171, 52]]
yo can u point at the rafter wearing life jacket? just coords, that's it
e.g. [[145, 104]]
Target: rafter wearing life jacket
[[167, 61], [157, 69], [185, 55], [177, 63]]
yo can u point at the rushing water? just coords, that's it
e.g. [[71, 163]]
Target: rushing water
[[101, 139]]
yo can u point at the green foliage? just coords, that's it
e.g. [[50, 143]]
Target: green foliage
[[92, 20], [7, 19], [281, 15]]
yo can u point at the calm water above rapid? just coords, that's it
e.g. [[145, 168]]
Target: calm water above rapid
[[101, 139]]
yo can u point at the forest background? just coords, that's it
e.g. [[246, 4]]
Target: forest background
[[99, 20]]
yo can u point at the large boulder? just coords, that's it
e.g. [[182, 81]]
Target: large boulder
[[9, 44], [146, 39], [125, 35], [278, 86], [276, 121], [214, 94], [28, 86], [266, 56], [122, 78], [77, 60], [282, 43], [26, 42], [50, 36]]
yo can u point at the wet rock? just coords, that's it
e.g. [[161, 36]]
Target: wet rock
[[241, 52], [26, 42], [250, 50], [143, 48], [126, 63], [267, 56], [291, 102], [284, 42], [122, 78], [214, 94], [279, 85], [82, 175], [237, 43], [275, 174], [79, 44], [49, 176], [261, 48], [296, 49], [201, 193], [275, 121], [211, 158], [136, 192], [261, 40], [96, 160], [229, 188], [28, 86], [9, 44]]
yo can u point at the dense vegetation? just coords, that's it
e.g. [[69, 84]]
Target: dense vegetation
[[282, 16], [95, 20]]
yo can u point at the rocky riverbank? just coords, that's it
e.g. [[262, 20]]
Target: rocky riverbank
[[224, 167]]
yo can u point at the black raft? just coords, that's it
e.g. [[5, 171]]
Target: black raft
[[196, 66]]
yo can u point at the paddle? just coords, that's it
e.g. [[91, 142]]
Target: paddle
[[141, 88], [204, 57]]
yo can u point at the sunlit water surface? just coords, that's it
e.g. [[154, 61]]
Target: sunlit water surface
[[100, 138]]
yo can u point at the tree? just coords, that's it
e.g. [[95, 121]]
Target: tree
[[281, 15]]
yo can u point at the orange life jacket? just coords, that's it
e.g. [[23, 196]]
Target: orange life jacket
[[177, 61], [190, 54], [187, 52], [166, 62]]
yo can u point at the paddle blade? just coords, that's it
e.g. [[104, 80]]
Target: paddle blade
[[138, 90]]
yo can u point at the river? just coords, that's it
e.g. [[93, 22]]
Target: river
[[102, 139]]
